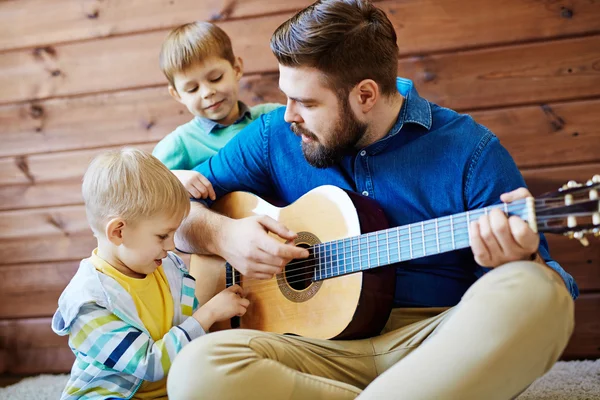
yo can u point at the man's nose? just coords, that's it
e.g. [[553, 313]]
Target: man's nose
[[291, 115]]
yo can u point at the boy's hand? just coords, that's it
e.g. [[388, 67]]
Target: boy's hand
[[196, 184], [226, 304], [496, 239]]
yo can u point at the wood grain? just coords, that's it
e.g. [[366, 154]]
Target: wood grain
[[448, 24], [126, 117], [118, 63], [513, 75], [28, 347], [27, 23], [549, 134], [65, 69], [585, 341]]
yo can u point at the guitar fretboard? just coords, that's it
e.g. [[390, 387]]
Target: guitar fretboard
[[407, 242]]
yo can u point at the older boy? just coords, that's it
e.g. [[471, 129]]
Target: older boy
[[130, 308], [203, 74]]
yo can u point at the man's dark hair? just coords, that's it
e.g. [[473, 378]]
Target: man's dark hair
[[347, 40]]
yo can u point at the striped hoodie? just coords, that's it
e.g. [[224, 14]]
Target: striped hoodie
[[114, 352]]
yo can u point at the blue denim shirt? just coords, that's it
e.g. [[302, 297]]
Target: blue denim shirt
[[434, 162]]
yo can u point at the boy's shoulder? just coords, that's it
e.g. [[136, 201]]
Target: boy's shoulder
[[260, 109]]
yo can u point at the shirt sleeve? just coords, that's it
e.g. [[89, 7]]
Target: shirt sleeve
[[171, 152], [103, 338], [243, 164], [492, 172]]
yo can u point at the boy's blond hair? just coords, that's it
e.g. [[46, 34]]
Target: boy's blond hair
[[131, 184], [193, 43]]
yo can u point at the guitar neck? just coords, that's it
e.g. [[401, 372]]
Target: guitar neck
[[407, 242]]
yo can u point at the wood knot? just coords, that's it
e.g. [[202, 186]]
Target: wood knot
[[429, 76], [147, 125], [566, 13], [23, 165], [40, 52], [225, 12], [36, 111], [556, 121], [93, 15]]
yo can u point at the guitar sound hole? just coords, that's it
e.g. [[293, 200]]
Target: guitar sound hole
[[299, 274]]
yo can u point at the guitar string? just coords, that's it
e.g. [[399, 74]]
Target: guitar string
[[346, 250], [330, 264], [443, 222], [454, 220], [397, 229]]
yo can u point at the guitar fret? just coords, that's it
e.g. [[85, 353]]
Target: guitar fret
[[468, 226], [452, 232], [387, 244], [423, 238], [368, 253], [410, 242], [398, 240], [331, 258], [377, 248], [359, 257], [318, 262], [351, 255], [506, 209], [437, 236]]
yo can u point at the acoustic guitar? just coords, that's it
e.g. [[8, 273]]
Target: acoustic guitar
[[344, 290]]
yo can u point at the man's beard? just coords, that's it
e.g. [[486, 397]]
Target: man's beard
[[347, 131]]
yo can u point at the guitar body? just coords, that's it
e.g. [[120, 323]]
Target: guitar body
[[351, 306]]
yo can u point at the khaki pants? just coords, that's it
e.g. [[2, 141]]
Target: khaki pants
[[509, 328]]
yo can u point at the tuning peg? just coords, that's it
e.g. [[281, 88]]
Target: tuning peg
[[596, 179], [582, 239]]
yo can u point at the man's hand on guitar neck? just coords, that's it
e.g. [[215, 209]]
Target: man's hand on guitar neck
[[248, 247], [496, 239]]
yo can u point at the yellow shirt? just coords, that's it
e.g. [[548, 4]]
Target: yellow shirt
[[154, 303]]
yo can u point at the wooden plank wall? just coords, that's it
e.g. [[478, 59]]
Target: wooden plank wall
[[80, 77]]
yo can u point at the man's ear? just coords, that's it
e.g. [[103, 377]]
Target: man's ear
[[174, 94], [114, 231], [238, 68], [366, 94]]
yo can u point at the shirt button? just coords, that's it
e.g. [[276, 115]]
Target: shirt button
[[365, 193], [363, 153]]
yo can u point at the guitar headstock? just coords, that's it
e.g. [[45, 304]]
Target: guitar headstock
[[573, 210]]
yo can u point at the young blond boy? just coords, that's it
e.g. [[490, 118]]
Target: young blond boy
[[130, 308], [203, 74]]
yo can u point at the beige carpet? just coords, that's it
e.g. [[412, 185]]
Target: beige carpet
[[573, 380]]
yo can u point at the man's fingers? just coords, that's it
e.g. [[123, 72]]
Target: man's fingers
[[277, 227], [480, 250], [528, 240], [516, 194], [285, 251], [489, 237]]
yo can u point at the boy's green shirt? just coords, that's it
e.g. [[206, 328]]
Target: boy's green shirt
[[195, 142]]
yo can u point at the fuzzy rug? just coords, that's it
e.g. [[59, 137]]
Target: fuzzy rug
[[573, 380]]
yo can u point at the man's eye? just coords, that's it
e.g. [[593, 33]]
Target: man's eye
[[162, 237]]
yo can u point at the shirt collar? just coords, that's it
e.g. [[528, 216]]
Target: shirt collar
[[415, 109], [208, 125]]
